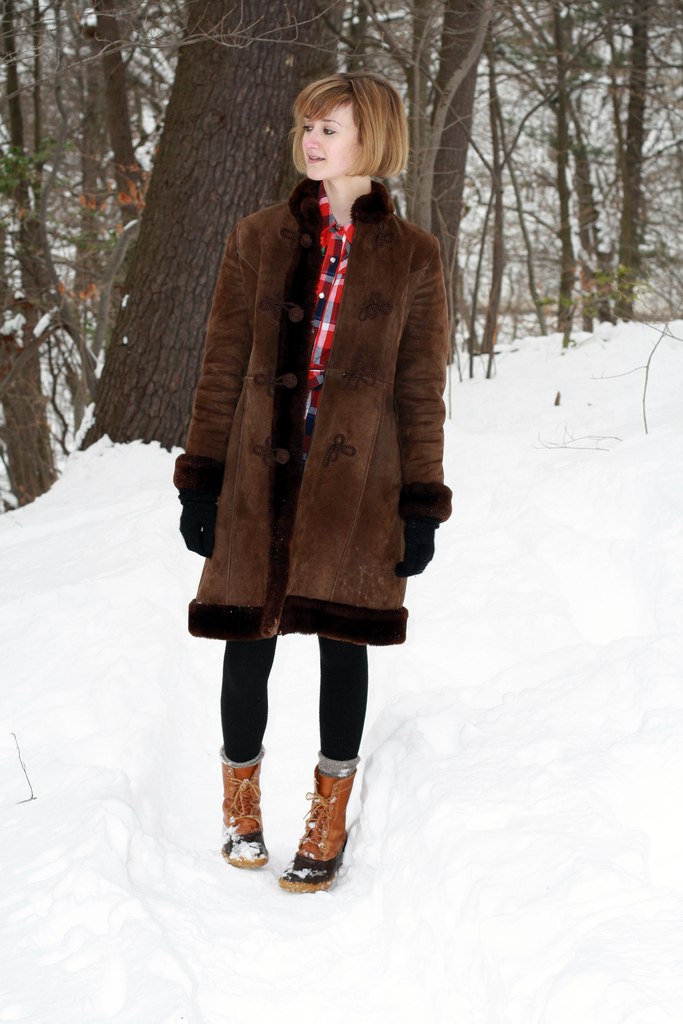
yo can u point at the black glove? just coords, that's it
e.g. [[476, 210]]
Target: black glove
[[198, 520], [419, 546]]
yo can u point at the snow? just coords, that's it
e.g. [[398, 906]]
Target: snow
[[516, 845], [42, 325], [13, 324]]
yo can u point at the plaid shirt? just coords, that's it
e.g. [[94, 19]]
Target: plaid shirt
[[336, 244]]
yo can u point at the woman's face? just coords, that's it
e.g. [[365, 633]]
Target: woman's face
[[331, 145]]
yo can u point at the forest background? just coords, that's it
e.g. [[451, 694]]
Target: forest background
[[547, 156]]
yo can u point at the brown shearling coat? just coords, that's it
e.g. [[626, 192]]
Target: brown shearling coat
[[316, 554]]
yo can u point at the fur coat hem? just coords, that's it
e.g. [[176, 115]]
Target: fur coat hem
[[374, 626]]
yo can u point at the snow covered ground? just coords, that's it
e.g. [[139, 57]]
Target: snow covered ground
[[516, 849]]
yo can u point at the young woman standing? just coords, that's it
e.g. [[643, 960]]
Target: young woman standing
[[312, 480]]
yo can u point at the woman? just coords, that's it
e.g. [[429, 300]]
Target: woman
[[315, 530]]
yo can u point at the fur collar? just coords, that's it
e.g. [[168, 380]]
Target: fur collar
[[372, 208]]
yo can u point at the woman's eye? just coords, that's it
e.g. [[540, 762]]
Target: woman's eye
[[329, 131], [308, 127]]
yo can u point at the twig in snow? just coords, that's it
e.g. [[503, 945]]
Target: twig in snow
[[572, 442], [665, 330], [32, 796], [614, 376]]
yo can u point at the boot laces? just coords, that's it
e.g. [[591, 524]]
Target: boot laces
[[246, 801], [318, 820]]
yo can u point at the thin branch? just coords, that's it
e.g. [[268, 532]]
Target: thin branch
[[32, 796], [129, 232], [399, 52], [665, 332]]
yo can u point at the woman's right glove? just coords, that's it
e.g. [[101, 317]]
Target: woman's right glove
[[198, 520]]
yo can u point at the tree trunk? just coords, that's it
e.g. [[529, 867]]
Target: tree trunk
[[219, 159], [472, 342], [441, 115], [93, 146], [25, 432], [565, 310], [461, 18], [126, 170], [528, 247], [498, 262], [592, 260], [631, 230], [417, 78]]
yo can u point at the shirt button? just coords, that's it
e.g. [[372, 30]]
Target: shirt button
[[321, 295], [333, 259]]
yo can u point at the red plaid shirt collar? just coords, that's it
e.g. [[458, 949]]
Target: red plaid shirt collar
[[331, 227]]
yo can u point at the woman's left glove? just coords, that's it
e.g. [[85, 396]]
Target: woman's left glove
[[419, 545], [198, 520]]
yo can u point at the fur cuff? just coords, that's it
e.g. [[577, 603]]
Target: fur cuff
[[196, 473], [425, 500]]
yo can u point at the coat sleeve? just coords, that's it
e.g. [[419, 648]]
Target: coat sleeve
[[418, 392], [226, 356]]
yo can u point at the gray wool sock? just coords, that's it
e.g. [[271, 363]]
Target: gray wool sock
[[242, 764], [336, 769]]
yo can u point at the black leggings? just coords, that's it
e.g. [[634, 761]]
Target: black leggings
[[244, 697]]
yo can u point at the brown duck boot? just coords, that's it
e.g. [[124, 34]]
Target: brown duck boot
[[321, 849], [242, 824]]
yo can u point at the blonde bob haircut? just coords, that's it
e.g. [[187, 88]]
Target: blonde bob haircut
[[378, 112]]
